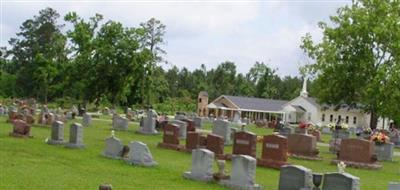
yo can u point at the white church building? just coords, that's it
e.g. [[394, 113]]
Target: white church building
[[302, 108]]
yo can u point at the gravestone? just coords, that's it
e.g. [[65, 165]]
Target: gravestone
[[357, 153], [394, 186], [245, 143], [215, 143], [341, 134], [237, 117], [49, 118], [75, 136], [189, 125], [202, 165], [303, 146], [243, 173], [86, 119], [326, 130], [113, 147], [384, 152], [170, 137], [317, 135], [68, 115], [2, 111], [285, 131], [120, 123], [274, 151], [334, 145], [193, 141], [221, 128], [57, 133], [342, 181], [139, 154], [198, 122], [149, 123], [20, 128], [182, 128], [293, 177], [29, 119]]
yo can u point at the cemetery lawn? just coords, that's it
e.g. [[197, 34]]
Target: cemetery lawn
[[32, 164]]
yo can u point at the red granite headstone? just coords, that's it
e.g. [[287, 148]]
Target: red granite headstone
[[274, 151], [245, 143], [21, 128], [190, 125], [215, 143], [302, 145], [170, 137], [192, 140], [356, 150]]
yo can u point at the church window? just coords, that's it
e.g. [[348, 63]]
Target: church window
[[339, 118], [354, 120], [199, 100], [331, 118], [347, 119], [323, 117]]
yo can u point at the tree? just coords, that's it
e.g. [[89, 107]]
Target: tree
[[151, 38], [265, 80], [38, 53], [357, 61]]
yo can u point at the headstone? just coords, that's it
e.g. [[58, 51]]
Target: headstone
[[75, 136], [341, 134], [221, 128], [326, 130], [68, 115], [302, 145], [198, 122], [29, 119], [192, 141], [384, 152], [170, 137], [243, 173], [293, 177], [245, 143], [2, 111], [237, 117], [113, 147], [274, 151], [394, 186], [356, 150], [139, 154], [149, 124], [357, 153], [49, 118], [202, 165], [285, 131], [21, 128], [189, 125], [86, 119], [182, 128], [120, 123], [215, 143], [57, 133], [342, 181]]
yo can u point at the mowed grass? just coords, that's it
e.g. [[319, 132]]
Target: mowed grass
[[32, 164]]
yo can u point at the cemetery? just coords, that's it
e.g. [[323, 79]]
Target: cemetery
[[109, 102], [256, 158]]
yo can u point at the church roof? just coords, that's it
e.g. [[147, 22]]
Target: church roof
[[259, 104]]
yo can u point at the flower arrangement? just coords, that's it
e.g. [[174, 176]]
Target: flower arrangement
[[345, 126], [303, 125], [380, 138], [341, 166], [331, 126]]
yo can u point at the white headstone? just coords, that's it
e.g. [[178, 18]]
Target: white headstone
[[113, 148], [221, 128], [394, 186], [120, 123], [139, 154], [57, 133], [86, 120], [149, 124], [243, 173], [75, 136], [182, 128], [202, 162]]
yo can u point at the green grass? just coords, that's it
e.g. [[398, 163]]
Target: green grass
[[32, 164]]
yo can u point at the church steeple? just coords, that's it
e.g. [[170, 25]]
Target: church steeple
[[304, 92]]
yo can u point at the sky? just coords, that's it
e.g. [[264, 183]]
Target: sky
[[203, 32]]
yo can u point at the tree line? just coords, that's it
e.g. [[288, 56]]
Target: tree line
[[97, 61]]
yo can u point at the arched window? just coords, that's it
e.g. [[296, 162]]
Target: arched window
[[323, 117]]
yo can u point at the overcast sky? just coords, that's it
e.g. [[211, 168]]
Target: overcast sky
[[204, 32]]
